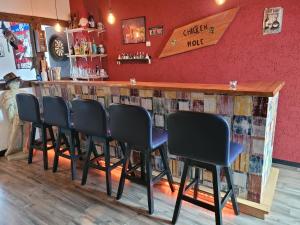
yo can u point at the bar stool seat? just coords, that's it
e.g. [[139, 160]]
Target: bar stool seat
[[159, 137]]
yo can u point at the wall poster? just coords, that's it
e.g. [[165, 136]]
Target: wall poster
[[23, 55], [272, 22]]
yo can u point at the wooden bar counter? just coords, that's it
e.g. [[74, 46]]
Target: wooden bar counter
[[250, 110]]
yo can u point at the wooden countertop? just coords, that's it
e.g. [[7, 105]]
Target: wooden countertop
[[261, 88]]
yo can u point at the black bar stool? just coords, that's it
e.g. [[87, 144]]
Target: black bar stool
[[90, 118], [29, 111], [57, 113], [203, 140], [132, 125]]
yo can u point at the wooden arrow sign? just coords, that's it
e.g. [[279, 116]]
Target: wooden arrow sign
[[198, 34]]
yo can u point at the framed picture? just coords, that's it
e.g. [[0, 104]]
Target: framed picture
[[272, 23], [157, 30], [23, 56], [134, 30], [2, 53]]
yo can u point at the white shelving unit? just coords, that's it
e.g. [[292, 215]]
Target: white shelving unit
[[73, 58]]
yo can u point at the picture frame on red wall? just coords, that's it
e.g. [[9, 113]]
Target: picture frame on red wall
[[134, 30]]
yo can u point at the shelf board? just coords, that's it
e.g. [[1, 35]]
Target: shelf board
[[133, 61], [87, 56], [80, 29]]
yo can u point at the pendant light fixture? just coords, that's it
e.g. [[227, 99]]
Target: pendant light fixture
[[57, 26], [220, 2], [110, 17]]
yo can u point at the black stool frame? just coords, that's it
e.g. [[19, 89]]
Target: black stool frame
[[42, 146], [146, 165], [72, 146], [91, 148], [219, 203]]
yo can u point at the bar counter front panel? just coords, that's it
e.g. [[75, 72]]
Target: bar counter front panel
[[250, 114]]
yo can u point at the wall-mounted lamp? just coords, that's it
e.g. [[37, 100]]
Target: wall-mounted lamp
[[220, 2]]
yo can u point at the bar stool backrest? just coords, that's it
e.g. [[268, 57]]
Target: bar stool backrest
[[28, 108], [56, 111], [131, 124], [89, 117], [199, 136]]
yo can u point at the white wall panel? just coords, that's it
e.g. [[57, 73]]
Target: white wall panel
[[42, 8]]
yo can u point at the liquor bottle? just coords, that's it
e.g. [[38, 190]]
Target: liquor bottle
[[77, 48], [94, 47]]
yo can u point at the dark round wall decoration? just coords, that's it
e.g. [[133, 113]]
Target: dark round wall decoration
[[58, 48]]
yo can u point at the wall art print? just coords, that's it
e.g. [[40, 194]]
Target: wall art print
[[23, 55], [272, 22], [134, 30]]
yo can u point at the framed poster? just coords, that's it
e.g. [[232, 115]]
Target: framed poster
[[272, 22], [23, 55], [157, 30], [134, 30]]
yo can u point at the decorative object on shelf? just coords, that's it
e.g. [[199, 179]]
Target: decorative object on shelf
[[100, 26], [156, 30], [272, 23], [92, 23], [83, 22], [74, 21], [139, 57], [134, 30], [57, 48], [100, 49], [201, 33], [2, 53]]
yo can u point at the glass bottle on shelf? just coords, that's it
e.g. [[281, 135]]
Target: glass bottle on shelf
[[94, 47], [76, 48]]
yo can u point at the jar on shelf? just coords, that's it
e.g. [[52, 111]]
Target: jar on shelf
[[101, 49]]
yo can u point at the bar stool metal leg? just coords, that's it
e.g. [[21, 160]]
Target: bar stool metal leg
[[32, 142], [50, 129], [86, 164], [124, 172], [149, 181], [72, 156], [196, 185], [164, 156], [180, 192], [107, 167], [44, 147], [228, 174], [217, 195], [57, 149]]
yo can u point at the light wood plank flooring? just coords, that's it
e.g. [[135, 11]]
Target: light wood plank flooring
[[30, 195]]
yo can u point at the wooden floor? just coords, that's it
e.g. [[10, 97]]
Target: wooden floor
[[30, 195]]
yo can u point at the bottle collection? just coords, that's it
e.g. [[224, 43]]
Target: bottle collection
[[84, 47], [139, 57]]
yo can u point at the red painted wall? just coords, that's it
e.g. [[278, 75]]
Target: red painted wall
[[243, 53]]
